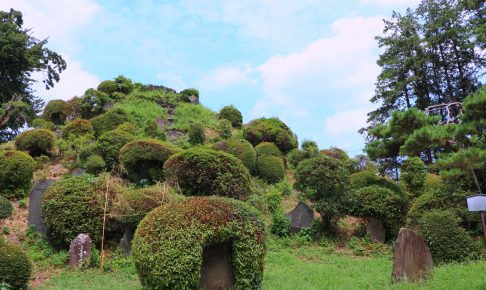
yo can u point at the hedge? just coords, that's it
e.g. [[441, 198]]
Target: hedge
[[77, 127], [17, 169], [109, 120], [270, 130], [201, 171], [36, 142], [367, 178], [267, 149], [169, 242], [231, 114], [270, 168], [241, 149], [15, 266]]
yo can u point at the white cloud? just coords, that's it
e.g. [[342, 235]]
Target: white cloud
[[342, 126], [227, 75]]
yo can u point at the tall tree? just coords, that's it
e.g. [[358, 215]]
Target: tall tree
[[21, 54]]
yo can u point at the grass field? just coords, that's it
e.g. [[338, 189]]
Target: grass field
[[304, 267]]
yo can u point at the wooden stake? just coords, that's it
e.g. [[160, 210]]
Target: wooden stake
[[483, 225], [104, 223]]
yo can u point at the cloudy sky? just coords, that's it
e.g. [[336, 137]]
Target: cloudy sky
[[310, 63]]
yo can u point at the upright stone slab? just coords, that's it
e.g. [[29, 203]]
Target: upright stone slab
[[217, 270], [376, 230], [412, 260], [35, 199], [301, 217], [194, 99], [126, 241], [80, 251]]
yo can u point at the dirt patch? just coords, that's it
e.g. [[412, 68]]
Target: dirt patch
[[17, 224]]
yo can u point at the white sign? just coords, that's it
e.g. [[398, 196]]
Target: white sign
[[476, 202]]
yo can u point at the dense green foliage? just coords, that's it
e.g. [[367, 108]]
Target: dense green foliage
[[412, 174], [169, 242], [15, 266], [141, 110], [446, 239], [187, 114], [39, 123], [110, 143], [270, 168], [369, 177], [77, 127], [95, 164], [267, 149], [144, 159], [108, 87], [308, 150], [109, 120], [90, 104], [241, 149], [6, 208], [186, 93], [196, 134], [324, 180], [224, 129], [16, 173], [270, 130], [231, 114], [153, 131], [280, 224], [200, 171], [36, 141], [56, 111]]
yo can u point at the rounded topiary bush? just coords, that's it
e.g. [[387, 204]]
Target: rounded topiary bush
[[74, 205], [39, 123], [16, 171], [109, 120], [335, 153], [110, 143], [6, 208], [15, 266], [144, 159], [270, 130], [95, 164], [267, 149], [381, 203], [169, 243], [412, 175], [270, 168], [446, 239], [77, 127], [196, 134], [108, 87], [231, 114], [56, 111], [37, 141], [367, 178], [200, 171], [241, 149]]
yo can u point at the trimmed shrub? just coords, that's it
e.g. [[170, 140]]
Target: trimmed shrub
[[17, 169], [267, 149], [196, 134], [95, 165], [110, 143], [36, 142], [109, 120], [77, 127], [144, 159], [412, 175], [446, 239], [56, 111], [367, 178], [270, 168], [200, 171], [108, 87], [224, 129], [6, 208], [231, 114], [128, 127], [74, 205], [124, 85], [324, 180], [15, 266], [169, 243], [39, 123], [335, 153], [309, 150], [381, 203], [185, 94], [270, 130], [241, 149], [91, 104]]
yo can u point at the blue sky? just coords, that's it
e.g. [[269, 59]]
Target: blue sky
[[310, 63]]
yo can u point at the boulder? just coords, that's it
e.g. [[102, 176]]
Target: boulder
[[217, 271], [126, 241], [412, 260], [35, 199], [376, 230], [301, 217], [80, 251], [193, 99], [78, 172]]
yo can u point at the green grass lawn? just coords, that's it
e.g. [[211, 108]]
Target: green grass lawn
[[306, 267]]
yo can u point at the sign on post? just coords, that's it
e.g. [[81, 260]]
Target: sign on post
[[477, 202]]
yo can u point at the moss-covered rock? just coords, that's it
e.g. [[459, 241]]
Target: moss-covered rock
[[77, 127], [110, 143], [36, 142], [270, 168], [15, 266], [200, 171], [16, 173], [109, 120], [6, 208], [170, 241], [144, 159], [270, 130], [231, 114], [56, 111]]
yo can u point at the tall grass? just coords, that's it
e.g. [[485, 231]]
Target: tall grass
[[141, 110], [186, 114]]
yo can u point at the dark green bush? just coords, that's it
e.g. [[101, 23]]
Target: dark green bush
[[56, 111], [17, 169], [309, 150], [95, 165], [280, 224], [324, 180], [367, 178], [170, 241], [241, 149], [335, 153], [270, 168], [15, 266], [267, 149], [128, 127], [109, 120], [153, 131], [91, 104], [200, 171], [412, 175], [185, 94], [77, 127], [446, 239], [110, 143], [274, 199], [231, 114], [381, 203], [270, 130], [196, 134], [224, 129], [36, 141], [108, 87], [6, 208], [124, 85], [39, 123], [144, 159]]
